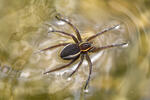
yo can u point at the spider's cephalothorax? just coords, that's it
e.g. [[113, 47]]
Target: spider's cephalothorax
[[72, 51], [85, 46]]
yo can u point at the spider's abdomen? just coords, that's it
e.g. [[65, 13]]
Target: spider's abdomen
[[70, 51]]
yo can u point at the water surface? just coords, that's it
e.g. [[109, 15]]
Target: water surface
[[118, 74]]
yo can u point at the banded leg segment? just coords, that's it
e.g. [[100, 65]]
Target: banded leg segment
[[71, 25], [96, 49], [64, 33], [90, 70], [81, 61], [62, 67], [100, 33]]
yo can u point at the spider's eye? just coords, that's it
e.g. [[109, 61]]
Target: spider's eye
[[86, 45]]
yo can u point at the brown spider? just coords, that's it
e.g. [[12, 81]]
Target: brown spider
[[72, 51]]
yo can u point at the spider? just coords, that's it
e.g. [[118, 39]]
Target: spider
[[79, 49]]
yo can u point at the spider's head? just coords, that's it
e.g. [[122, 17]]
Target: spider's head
[[85, 46]]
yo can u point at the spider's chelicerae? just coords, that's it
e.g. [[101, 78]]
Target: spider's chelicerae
[[79, 49]]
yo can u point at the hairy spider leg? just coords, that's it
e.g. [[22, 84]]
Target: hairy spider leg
[[90, 70], [81, 61], [54, 46], [96, 49], [64, 33], [62, 67], [71, 25], [102, 32]]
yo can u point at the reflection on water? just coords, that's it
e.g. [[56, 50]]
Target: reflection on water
[[118, 74]]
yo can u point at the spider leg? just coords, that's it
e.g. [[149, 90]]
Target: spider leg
[[90, 70], [71, 25], [81, 61], [96, 49], [54, 46], [104, 31], [62, 67], [73, 37]]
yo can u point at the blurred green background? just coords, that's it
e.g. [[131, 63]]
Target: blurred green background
[[118, 73]]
